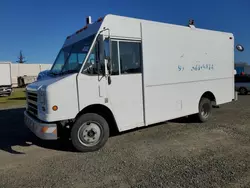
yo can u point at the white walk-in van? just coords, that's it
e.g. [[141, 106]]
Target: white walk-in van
[[120, 73]]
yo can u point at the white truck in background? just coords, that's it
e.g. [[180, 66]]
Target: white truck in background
[[120, 73], [5, 79], [24, 80], [26, 73]]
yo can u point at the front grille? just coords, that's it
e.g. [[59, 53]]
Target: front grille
[[32, 102]]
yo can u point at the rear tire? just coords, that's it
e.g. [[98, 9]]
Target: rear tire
[[90, 132], [205, 110], [243, 91]]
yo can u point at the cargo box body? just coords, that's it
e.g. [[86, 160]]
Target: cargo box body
[[5, 78]]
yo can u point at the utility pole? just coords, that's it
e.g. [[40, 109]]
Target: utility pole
[[21, 58]]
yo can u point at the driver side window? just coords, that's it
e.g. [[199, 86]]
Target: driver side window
[[92, 65], [74, 61], [114, 55]]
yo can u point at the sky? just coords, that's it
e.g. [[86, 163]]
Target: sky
[[39, 28]]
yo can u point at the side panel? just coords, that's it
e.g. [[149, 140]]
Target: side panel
[[172, 101], [125, 97], [180, 64], [61, 92]]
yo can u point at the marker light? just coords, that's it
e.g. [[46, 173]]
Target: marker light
[[55, 108], [85, 27], [100, 19], [80, 30]]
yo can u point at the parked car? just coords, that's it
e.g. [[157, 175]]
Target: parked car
[[242, 84]]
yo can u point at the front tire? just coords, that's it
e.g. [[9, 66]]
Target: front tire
[[89, 133], [205, 110]]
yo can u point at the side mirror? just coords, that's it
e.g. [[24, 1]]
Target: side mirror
[[240, 48]]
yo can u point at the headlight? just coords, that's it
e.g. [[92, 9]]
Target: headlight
[[42, 95]]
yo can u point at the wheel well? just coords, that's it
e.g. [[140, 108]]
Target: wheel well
[[103, 111], [209, 95]]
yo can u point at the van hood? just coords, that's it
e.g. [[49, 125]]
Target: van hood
[[35, 86], [44, 75]]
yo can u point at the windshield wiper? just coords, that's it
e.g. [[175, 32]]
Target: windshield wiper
[[68, 71], [53, 73]]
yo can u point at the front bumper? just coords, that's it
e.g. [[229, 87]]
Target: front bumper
[[45, 131]]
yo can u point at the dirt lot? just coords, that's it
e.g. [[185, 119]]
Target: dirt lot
[[175, 154]]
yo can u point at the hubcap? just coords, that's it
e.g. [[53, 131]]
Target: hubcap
[[89, 133], [205, 110]]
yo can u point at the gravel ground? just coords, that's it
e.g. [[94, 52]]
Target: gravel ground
[[174, 154]]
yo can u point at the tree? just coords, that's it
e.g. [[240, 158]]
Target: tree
[[21, 58]]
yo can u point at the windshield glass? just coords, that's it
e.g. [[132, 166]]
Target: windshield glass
[[71, 57]]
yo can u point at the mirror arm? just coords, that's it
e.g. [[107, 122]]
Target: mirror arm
[[107, 62], [110, 55]]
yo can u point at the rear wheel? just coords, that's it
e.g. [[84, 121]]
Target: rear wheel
[[90, 132], [205, 109], [243, 91]]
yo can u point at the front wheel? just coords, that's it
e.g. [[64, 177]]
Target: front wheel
[[205, 109], [90, 132]]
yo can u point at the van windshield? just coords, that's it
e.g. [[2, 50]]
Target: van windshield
[[70, 58]]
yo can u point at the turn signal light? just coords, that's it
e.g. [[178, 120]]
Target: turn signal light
[[44, 129], [55, 108], [79, 31]]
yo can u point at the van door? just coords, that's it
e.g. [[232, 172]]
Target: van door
[[91, 83], [125, 90]]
